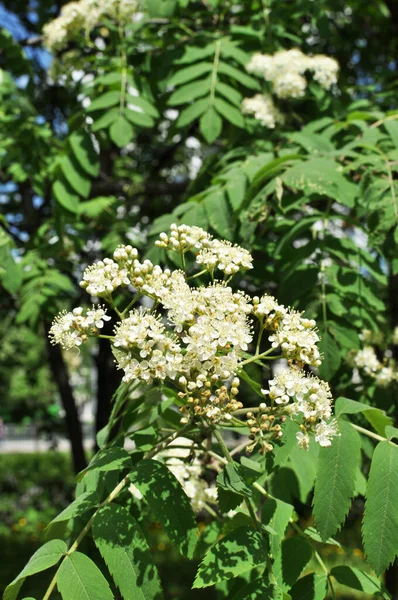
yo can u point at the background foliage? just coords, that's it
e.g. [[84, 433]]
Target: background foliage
[[86, 165]]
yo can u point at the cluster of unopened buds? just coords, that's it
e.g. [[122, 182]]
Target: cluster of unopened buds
[[198, 338], [264, 428], [284, 71]]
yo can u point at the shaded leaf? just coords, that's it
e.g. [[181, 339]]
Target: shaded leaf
[[240, 551], [45, 557], [122, 545], [169, 503], [291, 560], [380, 522], [335, 480]]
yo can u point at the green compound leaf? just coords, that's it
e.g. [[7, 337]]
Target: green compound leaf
[[210, 125], [335, 481], [358, 580], [189, 73], [291, 560], [218, 213], [123, 547], [277, 515], [190, 92], [376, 417], [83, 149], [80, 579], [310, 587], [230, 113], [258, 589], [240, 551], [47, 556], [65, 195], [75, 176], [82, 504], [121, 132], [231, 478], [104, 101], [109, 459], [168, 502], [192, 112], [380, 522]]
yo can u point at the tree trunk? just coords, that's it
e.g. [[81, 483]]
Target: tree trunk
[[72, 419], [108, 379]]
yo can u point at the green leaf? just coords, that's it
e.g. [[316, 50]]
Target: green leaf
[[139, 118], [321, 176], [241, 550], [144, 104], [392, 130], [335, 480], [82, 504], [45, 557], [192, 112], [236, 187], [391, 432], [109, 459], [189, 92], [121, 132], [210, 125], [106, 119], [312, 533], [238, 75], [218, 214], [95, 207], [104, 101], [189, 73], [80, 579], [84, 152], [292, 558], [231, 479], [169, 503], [123, 547], [258, 589], [358, 580], [229, 93], [376, 417], [232, 114], [65, 195], [75, 176], [310, 587], [277, 514], [331, 356], [380, 522]]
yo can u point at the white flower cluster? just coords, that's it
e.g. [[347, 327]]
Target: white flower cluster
[[264, 110], [212, 253], [84, 15], [71, 329], [285, 70], [225, 257], [366, 361], [144, 350], [196, 337], [183, 238], [308, 397], [297, 337]]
